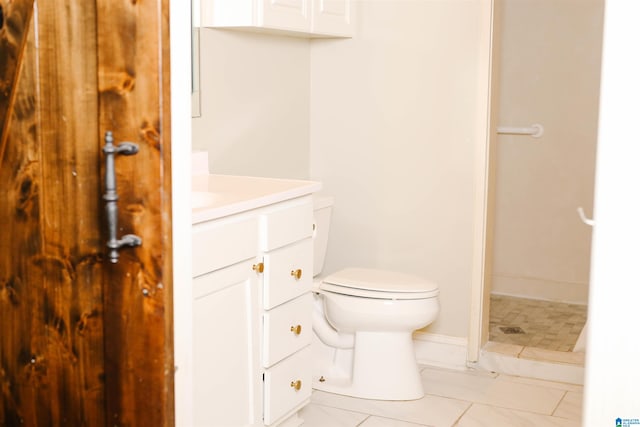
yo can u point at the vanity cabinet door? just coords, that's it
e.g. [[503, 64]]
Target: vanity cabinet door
[[290, 15], [332, 17], [227, 384]]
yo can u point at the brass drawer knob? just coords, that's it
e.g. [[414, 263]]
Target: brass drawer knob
[[297, 274], [296, 384], [296, 329], [259, 267]]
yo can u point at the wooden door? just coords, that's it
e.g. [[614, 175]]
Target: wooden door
[[84, 342]]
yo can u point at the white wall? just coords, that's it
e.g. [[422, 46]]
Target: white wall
[[549, 74], [613, 349], [393, 122], [254, 104]]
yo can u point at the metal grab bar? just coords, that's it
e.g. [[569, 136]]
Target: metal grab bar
[[535, 130], [111, 196]]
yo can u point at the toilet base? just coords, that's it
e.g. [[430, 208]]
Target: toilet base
[[381, 365]]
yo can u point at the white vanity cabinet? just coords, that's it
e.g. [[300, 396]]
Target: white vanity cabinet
[[311, 18], [226, 317], [252, 315]]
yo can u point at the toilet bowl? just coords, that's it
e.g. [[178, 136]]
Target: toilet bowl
[[363, 322]]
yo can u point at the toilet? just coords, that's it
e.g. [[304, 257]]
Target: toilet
[[363, 322]]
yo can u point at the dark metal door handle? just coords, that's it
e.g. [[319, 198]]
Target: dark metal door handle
[[111, 196]]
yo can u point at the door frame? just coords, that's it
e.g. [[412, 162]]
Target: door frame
[[483, 181], [180, 39]]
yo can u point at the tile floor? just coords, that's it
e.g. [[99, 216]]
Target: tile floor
[[564, 358], [457, 398], [546, 325]]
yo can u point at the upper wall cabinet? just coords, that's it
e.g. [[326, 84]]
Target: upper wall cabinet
[[332, 17], [302, 18]]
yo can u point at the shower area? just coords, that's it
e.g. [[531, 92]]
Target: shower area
[[545, 102]]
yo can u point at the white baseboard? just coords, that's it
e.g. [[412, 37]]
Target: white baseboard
[[440, 350]]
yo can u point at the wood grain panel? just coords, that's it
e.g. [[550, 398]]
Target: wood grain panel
[[16, 16], [72, 255], [84, 342], [20, 368], [50, 279], [134, 104]]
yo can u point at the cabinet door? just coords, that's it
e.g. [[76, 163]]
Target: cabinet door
[[228, 380], [285, 14], [332, 17]]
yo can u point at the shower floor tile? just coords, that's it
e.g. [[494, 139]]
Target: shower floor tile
[[545, 324]]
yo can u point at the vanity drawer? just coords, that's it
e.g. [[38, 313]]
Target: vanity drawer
[[288, 273], [287, 328], [217, 244], [287, 385], [286, 225]]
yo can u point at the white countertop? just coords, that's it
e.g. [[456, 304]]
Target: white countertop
[[216, 196]]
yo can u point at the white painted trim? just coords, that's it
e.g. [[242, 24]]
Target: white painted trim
[[180, 30], [613, 349], [440, 350], [481, 180]]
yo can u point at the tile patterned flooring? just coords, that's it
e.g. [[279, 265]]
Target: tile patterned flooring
[[546, 325], [467, 398]]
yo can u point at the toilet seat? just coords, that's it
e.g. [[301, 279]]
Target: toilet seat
[[380, 284]]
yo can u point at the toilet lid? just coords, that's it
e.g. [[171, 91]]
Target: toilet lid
[[383, 284]]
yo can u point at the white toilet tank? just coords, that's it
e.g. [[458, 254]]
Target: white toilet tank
[[322, 206]]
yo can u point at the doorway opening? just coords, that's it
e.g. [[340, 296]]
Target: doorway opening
[[547, 69]]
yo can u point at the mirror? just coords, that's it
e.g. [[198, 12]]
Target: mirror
[[195, 58]]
